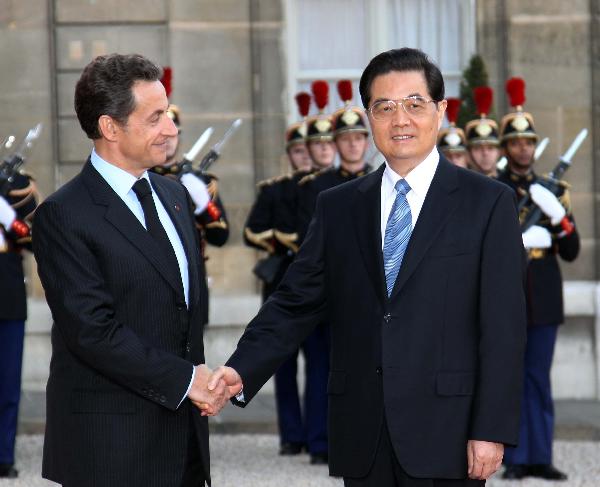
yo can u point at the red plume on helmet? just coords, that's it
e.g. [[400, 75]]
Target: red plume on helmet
[[303, 102], [344, 87], [167, 79], [320, 90], [483, 96], [452, 110], [515, 87]]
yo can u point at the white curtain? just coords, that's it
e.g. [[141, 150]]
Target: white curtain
[[437, 28], [331, 34]]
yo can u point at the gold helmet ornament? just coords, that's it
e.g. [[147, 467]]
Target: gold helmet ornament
[[296, 132], [482, 130], [452, 138], [518, 124], [320, 127], [349, 118]]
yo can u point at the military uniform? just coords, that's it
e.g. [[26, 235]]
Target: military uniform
[[13, 310], [533, 455]]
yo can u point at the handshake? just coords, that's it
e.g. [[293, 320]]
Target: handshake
[[211, 390]]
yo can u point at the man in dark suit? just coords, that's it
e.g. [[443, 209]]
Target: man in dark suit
[[118, 257], [418, 268]]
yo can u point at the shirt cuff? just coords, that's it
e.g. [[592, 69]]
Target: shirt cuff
[[190, 386], [239, 397]]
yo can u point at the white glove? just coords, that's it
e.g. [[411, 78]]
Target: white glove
[[547, 202], [536, 237], [7, 214], [198, 191]]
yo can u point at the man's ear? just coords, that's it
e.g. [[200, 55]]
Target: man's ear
[[441, 111], [108, 128]]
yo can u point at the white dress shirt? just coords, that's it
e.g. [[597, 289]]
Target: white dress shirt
[[122, 182], [419, 180]]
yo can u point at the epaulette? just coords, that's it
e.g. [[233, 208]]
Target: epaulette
[[561, 182], [314, 175], [273, 180]]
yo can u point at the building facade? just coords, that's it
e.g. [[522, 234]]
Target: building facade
[[247, 59]]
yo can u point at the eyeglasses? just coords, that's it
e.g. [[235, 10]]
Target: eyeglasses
[[414, 106]]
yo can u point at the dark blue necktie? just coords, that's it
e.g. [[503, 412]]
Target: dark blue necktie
[[397, 234]]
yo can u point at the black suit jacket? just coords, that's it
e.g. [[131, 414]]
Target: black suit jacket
[[441, 358], [123, 341]]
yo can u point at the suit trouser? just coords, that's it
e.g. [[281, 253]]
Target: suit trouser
[[11, 358], [537, 409], [312, 429], [194, 472], [386, 471]]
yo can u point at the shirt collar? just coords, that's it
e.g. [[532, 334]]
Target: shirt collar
[[419, 179], [119, 180]]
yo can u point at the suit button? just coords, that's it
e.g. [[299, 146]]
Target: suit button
[[387, 317], [181, 307], [144, 391], [379, 370], [163, 399]]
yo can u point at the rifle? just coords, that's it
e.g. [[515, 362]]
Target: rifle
[[185, 165], [215, 152], [529, 212], [10, 165]]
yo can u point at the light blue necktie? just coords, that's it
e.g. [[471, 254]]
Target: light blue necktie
[[397, 234]]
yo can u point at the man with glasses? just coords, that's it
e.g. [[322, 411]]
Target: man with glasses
[[406, 264]]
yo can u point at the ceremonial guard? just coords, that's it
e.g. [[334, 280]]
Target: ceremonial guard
[[350, 135], [482, 135], [451, 140], [553, 235], [17, 205], [271, 226], [268, 227], [210, 216]]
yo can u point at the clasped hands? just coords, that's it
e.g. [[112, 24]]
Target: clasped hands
[[211, 390]]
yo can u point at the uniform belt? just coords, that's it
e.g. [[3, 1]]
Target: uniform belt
[[537, 253]]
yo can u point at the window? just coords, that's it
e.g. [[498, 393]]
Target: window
[[335, 39]]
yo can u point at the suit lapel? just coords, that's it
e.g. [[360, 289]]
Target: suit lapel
[[179, 216], [367, 211], [439, 204], [121, 217]]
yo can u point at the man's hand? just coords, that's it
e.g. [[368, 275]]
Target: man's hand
[[484, 458], [198, 191], [229, 376], [209, 402], [7, 214], [547, 202]]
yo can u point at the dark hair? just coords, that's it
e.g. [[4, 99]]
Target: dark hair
[[405, 59], [104, 88]]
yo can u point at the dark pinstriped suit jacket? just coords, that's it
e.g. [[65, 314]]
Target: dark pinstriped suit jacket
[[123, 341]]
